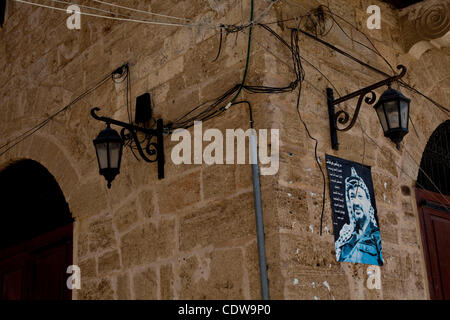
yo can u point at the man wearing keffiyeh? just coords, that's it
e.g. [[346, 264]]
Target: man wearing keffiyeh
[[359, 241]]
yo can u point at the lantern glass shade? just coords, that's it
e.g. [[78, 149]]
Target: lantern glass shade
[[393, 112], [115, 153], [404, 113], [108, 146], [382, 118], [391, 108], [102, 155]]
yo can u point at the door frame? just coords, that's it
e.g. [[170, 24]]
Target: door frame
[[432, 202], [23, 251]]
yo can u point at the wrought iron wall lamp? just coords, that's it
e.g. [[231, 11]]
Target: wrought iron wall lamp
[[109, 145], [392, 109]]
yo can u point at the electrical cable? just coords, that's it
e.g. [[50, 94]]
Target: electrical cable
[[294, 43], [116, 18], [425, 174], [264, 13], [363, 132], [244, 78], [320, 13], [373, 49], [407, 86], [214, 109], [401, 83], [15, 141], [299, 78], [206, 114], [373, 68], [140, 11], [404, 171], [376, 51], [91, 8], [128, 96], [249, 110], [220, 45], [379, 54], [236, 28], [286, 64]]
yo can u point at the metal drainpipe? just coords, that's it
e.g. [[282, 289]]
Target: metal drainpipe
[[258, 204], [259, 217]]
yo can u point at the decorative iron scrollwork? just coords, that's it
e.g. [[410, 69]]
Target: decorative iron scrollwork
[[150, 149], [367, 94], [153, 151], [343, 117]]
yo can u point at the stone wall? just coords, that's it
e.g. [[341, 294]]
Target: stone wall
[[192, 235], [311, 271]]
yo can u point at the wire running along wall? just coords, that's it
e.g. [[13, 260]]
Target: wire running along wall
[[313, 20]]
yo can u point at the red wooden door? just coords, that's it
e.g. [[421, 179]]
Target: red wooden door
[[434, 214], [36, 269]]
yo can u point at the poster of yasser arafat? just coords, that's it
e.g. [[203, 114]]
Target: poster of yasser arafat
[[355, 221]]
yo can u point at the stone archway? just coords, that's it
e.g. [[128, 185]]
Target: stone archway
[[35, 234], [434, 173], [433, 202]]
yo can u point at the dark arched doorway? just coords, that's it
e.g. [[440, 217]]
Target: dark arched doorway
[[433, 201], [35, 234]]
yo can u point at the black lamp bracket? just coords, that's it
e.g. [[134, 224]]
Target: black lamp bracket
[[154, 152], [342, 116]]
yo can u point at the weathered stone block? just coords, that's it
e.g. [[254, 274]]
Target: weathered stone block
[[101, 235], [145, 285], [409, 236], [218, 279], [123, 287], [88, 199], [108, 262], [96, 290], [147, 243], [185, 190], [88, 268], [292, 209], [83, 245], [388, 160], [317, 287], [297, 252], [386, 189], [166, 276], [125, 217], [146, 199], [215, 177], [221, 223], [251, 264]]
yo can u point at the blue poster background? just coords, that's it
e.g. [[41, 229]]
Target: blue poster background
[[355, 220]]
